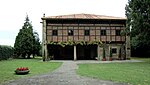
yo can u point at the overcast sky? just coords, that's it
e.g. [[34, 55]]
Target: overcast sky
[[13, 13]]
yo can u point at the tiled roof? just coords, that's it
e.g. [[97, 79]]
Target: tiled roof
[[83, 16]]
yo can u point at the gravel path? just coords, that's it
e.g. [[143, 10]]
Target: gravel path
[[64, 75]]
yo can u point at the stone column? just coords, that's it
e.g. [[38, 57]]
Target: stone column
[[44, 43], [43, 39], [75, 53], [128, 47], [98, 51], [46, 54]]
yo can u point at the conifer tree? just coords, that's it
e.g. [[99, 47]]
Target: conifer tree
[[25, 40], [138, 21]]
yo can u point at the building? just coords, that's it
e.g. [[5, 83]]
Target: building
[[84, 37]]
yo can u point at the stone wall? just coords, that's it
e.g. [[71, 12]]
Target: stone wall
[[120, 51]]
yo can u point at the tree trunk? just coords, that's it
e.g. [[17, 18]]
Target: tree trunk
[[33, 55], [23, 55], [28, 57]]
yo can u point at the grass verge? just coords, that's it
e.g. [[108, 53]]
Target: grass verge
[[133, 73], [35, 65], [141, 59]]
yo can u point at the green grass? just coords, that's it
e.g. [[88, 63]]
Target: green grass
[[142, 59], [133, 73], [36, 67]]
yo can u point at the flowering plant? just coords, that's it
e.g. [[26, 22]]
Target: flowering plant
[[22, 68]]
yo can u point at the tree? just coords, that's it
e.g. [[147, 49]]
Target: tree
[[25, 40], [6, 52], [37, 45], [138, 21]]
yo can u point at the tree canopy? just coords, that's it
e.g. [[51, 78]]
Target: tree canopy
[[27, 41], [138, 22]]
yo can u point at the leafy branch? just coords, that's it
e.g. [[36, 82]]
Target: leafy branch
[[71, 43]]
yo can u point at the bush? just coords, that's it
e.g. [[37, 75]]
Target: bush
[[6, 52]]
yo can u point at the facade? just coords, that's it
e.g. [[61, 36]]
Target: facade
[[84, 37]]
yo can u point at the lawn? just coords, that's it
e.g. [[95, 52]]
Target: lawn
[[133, 73], [36, 67], [142, 59]]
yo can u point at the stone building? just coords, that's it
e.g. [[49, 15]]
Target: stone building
[[84, 37]]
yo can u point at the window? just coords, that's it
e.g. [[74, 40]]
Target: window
[[54, 32], [70, 32], [118, 32], [86, 32], [103, 32], [114, 50]]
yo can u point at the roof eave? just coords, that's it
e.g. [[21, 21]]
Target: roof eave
[[45, 18]]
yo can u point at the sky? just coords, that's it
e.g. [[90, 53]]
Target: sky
[[13, 13]]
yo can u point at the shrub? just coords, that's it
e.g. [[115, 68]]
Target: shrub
[[6, 52]]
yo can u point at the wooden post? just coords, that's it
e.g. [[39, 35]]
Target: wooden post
[[75, 53]]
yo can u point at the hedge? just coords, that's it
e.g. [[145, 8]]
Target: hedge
[[6, 52]]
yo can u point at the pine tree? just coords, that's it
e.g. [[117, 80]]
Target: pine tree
[[25, 40], [138, 21]]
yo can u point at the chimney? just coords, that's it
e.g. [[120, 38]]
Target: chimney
[[44, 15]]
